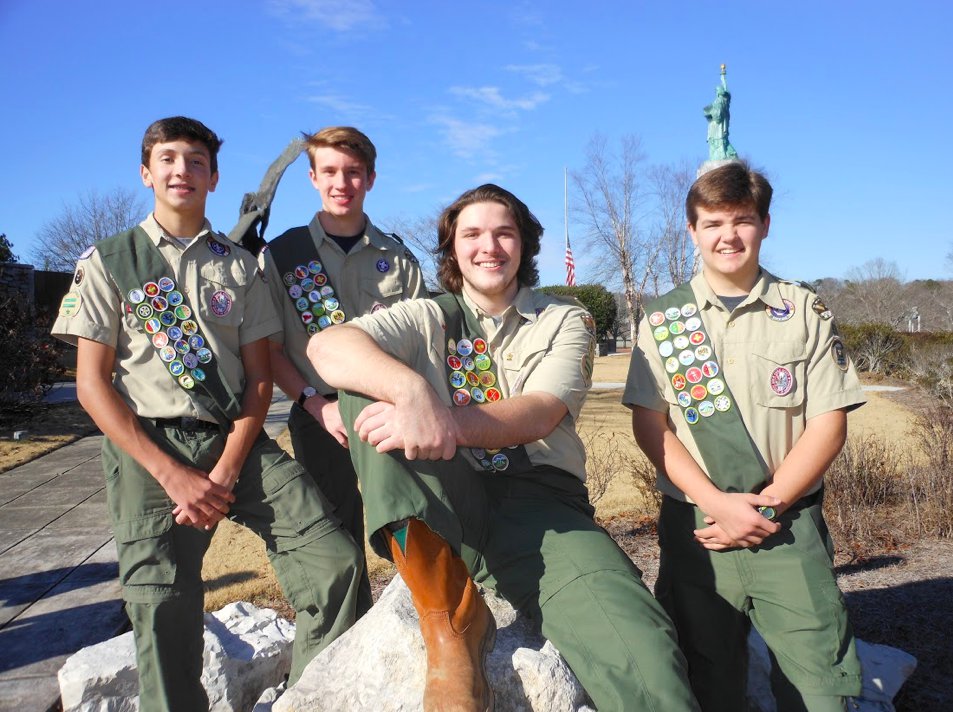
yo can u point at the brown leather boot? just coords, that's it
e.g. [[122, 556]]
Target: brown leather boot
[[457, 627]]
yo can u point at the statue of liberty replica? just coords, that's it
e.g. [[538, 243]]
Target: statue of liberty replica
[[718, 114]]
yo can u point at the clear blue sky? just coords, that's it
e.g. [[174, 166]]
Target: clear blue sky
[[847, 105]]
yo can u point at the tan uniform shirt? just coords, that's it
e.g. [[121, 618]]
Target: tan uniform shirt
[[750, 344], [541, 344], [142, 379], [377, 272]]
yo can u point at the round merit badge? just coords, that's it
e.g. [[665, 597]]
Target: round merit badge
[[782, 381], [678, 382], [660, 333], [656, 318], [220, 303], [671, 364], [672, 313], [691, 415], [694, 374], [681, 341], [684, 399], [666, 349]]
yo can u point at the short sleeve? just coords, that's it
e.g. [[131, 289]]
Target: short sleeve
[[92, 308], [832, 381], [261, 319], [645, 384]]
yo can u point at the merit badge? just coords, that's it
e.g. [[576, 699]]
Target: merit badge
[[136, 296], [166, 284], [181, 346], [313, 329], [308, 284], [493, 395], [217, 247], [672, 313], [684, 399], [783, 314], [678, 382], [314, 296], [464, 347], [706, 408], [87, 252], [457, 379], [377, 307], [671, 364], [468, 363], [477, 395], [697, 337], [676, 327], [151, 289], [722, 403], [716, 386], [324, 321], [698, 391], [703, 352], [327, 291], [176, 368], [183, 312], [190, 360], [656, 318], [686, 358], [160, 303], [710, 369], [318, 309], [482, 361], [782, 381], [152, 326], [175, 332], [500, 461], [454, 362], [479, 346], [660, 333], [693, 324], [288, 278], [301, 271], [175, 298], [189, 327], [160, 340], [198, 374], [78, 277], [487, 379], [320, 280], [143, 311], [666, 349], [689, 309], [196, 342], [681, 341], [461, 397], [167, 318], [337, 317], [204, 355], [307, 317], [839, 354], [383, 265], [295, 291], [589, 323], [314, 266], [331, 304], [167, 353], [451, 346], [301, 303], [186, 381], [472, 378], [220, 303], [691, 415], [694, 374]]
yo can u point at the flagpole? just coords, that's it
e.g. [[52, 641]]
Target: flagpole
[[570, 263]]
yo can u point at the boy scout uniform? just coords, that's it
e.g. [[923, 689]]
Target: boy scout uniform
[[527, 533], [160, 561], [768, 367], [377, 272]]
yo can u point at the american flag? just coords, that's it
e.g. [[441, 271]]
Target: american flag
[[570, 266]]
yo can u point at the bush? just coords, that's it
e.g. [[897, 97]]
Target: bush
[[596, 299], [876, 348], [930, 479], [30, 356]]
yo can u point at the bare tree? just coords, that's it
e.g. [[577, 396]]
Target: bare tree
[[420, 235], [678, 260], [613, 206], [93, 217], [874, 293]]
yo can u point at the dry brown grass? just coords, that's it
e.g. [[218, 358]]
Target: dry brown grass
[[48, 427]]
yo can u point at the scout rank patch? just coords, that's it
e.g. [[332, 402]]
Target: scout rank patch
[[474, 381], [689, 358], [313, 297], [168, 321], [69, 305]]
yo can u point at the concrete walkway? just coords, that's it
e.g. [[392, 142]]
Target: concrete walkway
[[59, 590]]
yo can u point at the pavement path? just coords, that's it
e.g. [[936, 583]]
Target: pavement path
[[59, 590]]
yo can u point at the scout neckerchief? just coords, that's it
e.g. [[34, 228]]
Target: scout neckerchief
[[707, 404], [473, 379], [141, 272], [305, 280]]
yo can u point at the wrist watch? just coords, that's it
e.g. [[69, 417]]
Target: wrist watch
[[769, 513], [306, 393]]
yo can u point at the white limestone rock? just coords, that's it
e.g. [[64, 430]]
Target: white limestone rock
[[247, 649], [380, 665], [883, 669]]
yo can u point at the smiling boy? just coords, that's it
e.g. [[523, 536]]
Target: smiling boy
[[472, 470], [739, 389], [181, 316], [338, 267]]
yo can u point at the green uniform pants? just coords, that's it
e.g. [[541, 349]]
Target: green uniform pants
[[329, 464], [160, 562], [531, 537], [785, 588]]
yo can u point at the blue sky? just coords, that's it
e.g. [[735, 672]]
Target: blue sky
[[846, 105]]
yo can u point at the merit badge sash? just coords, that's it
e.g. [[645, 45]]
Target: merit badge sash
[[306, 281], [471, 373], [707, 404], [141, 272]]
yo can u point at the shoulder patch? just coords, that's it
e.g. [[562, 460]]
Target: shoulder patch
[[821, 309], [70, 304]]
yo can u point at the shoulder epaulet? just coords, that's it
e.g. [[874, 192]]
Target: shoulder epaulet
[[394, 236], [407, 253], [804, 285]]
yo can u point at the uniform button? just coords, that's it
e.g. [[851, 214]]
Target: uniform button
[[731, 325], [731, 361]]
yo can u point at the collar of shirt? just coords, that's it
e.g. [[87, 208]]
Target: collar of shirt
[[765, 289], [372, 236], [157, 234], [523, 304]]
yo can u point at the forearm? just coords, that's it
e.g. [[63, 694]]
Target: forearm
[[511, 421], [664, 450], [347, 358], [805, 465]]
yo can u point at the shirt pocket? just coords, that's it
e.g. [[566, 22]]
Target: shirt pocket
[[220, 297], [384, 288], [778, 374], [516, 366]]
